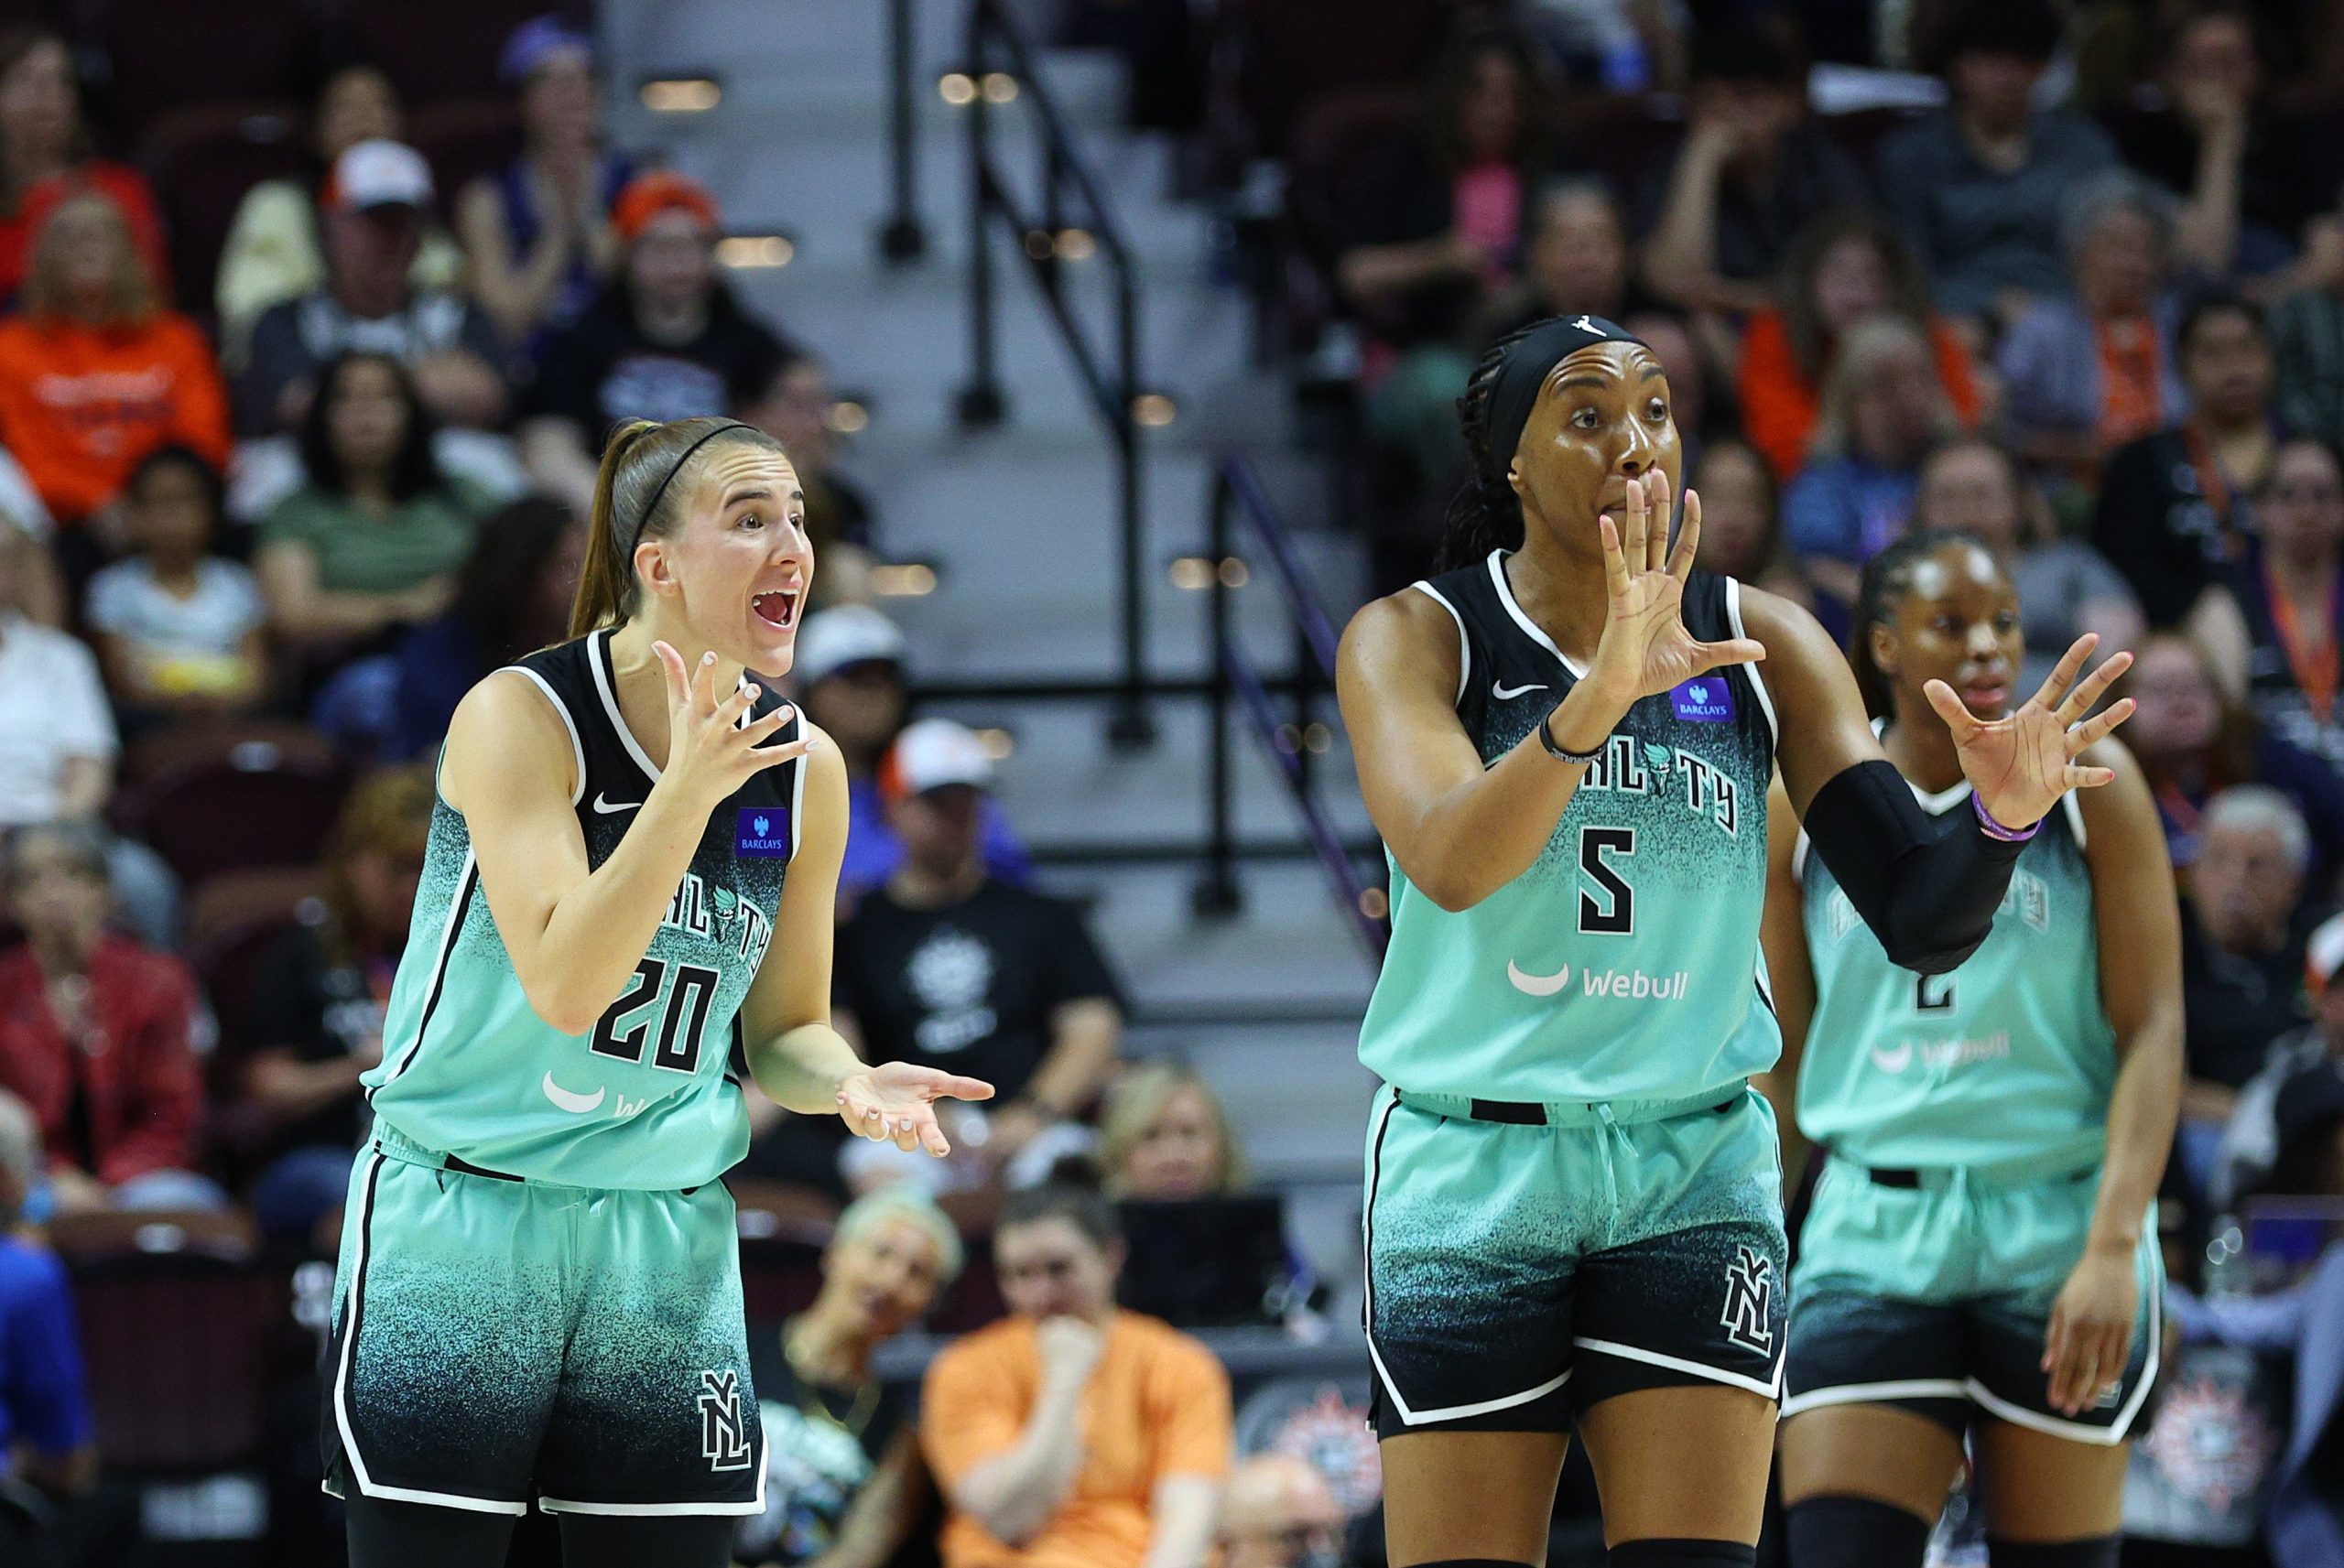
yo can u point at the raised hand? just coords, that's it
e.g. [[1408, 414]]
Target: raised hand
[[1645, 648], [711, 753], [895, 1103], [2021, 766]]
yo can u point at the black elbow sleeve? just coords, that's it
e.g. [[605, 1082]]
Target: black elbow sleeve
[[1927, 889]]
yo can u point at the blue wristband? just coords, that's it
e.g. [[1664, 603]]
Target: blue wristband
[[1995, 829]]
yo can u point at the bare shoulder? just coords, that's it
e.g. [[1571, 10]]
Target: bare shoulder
[[1406, 636], [506, 728], [2122, 809], [825, 766]]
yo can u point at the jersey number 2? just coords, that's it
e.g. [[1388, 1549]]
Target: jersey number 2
[[1615, 914], [627, 1025]]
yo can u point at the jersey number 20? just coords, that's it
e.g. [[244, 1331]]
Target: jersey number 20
[[1614, 914], [627, 1025]]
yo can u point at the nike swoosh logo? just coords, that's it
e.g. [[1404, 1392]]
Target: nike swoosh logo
[[575, 1104], [1537, 985], [1506, 693], [607, 806]]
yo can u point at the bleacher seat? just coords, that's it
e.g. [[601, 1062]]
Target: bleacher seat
[[262, 808], [175, 1318], [165, 55], [202, 159], [165, 753]]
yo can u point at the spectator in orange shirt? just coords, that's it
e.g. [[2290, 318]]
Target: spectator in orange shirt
[[93, 374], [1843, 267], [1073, 1434], [44, 154]]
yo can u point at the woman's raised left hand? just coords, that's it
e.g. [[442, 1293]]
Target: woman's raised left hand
[[2021, 763]]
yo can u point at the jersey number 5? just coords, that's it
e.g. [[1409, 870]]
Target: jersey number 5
[[1614, 915], [627, 1025]]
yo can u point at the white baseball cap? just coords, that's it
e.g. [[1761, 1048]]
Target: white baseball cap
[[2324, 954], [380, 173], [931, 755], [845, 634]]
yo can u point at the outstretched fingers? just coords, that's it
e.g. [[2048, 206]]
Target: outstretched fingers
[[1639, 526], [1688, 538], [2098, 726], [2093, 686], [1708, 656], [1615, 561], [1949, 707], [2063, 674]]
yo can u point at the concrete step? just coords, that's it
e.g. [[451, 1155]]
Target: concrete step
[[1066, 789], [1291, 947]]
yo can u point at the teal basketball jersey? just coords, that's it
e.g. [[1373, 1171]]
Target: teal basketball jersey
[[2007, 1061], [650, 1098], [1624, 964]]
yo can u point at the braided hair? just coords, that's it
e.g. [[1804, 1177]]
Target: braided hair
[[1486, 514], [1887, 578]]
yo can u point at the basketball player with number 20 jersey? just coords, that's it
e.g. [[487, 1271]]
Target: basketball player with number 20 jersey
[[625, 909]]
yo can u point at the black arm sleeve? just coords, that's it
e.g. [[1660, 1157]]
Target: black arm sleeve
[[1927, 890]]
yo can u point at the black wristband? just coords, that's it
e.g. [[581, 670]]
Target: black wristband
[[1556, 751]]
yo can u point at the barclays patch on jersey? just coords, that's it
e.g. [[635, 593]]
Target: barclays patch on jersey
[[764, 831], [1705, 699]]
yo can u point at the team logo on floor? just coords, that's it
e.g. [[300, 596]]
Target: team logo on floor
[[1749, 1318], [724, 1429]]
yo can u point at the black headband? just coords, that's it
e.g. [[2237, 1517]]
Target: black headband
[[677, 468], [1527, 367]]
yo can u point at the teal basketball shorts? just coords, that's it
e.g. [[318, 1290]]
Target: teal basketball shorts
[[1518, 1274], [497, 1340], [1931, 1290]]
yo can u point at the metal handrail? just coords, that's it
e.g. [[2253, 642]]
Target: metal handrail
[[1237, 494], [1110, 373], [902, 238]]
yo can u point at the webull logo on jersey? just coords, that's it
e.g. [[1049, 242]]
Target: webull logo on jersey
[[1624, 985], [1650, 768], [1937, 1056]]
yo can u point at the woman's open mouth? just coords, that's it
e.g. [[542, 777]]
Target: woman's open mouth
[[777, 608]]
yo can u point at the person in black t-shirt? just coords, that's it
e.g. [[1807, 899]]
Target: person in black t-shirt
[[844, 1480], [946, 965], [667, 339], [2173, 513], [316, 1021]]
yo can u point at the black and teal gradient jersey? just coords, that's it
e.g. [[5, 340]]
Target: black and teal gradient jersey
[[1624, 964], [2005, 1064], [649, 1097]]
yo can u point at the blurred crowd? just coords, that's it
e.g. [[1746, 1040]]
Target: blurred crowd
[[295, 447]]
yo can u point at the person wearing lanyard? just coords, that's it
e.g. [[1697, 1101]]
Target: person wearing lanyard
[[2174, 512]]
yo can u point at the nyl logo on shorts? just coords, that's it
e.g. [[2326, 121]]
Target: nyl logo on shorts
[[764, 831], [723, 1430], [1748, 1318], [1705, 699]]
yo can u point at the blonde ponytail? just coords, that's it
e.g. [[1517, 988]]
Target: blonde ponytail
[[638, 495]]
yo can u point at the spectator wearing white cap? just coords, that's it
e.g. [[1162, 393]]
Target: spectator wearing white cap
[[374, 212], [2286, 1131], [275, 252], [947, 965], [850, 676]]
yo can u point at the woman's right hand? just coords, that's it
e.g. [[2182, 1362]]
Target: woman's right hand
[[711, 753], [1645, 649]]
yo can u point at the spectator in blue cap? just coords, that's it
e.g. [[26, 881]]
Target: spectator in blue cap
[[538, 231]]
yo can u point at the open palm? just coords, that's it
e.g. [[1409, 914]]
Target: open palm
[[2021, 764], [895, 1103], [1645, 648]]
